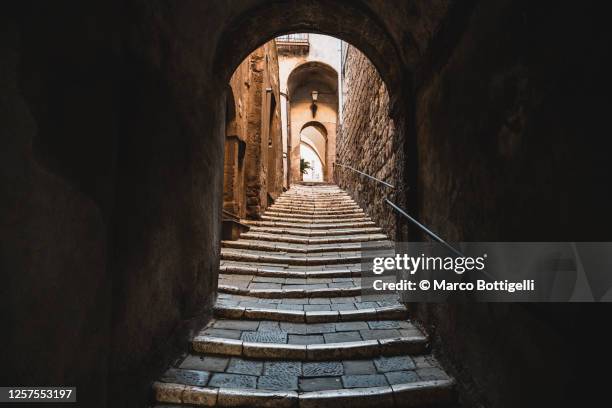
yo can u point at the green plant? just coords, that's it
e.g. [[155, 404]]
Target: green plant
[[304, 166]]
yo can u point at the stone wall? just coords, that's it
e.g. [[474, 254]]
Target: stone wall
[[508, 121], [253, 146], [368, 141]]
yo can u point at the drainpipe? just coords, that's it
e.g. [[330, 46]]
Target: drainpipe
[[288, 152]]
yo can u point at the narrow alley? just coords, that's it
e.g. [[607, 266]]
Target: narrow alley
[[290, 326], [187, 189]]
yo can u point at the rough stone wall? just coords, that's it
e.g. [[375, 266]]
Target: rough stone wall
[[255, 87], [368, 141], [507, 130], [110, 186]]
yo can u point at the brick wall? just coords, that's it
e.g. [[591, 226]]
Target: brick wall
[[368, 141]]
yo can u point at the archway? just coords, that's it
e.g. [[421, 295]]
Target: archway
[[314, 171], [313, 92]]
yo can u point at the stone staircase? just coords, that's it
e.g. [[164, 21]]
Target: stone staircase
[[290, 327]]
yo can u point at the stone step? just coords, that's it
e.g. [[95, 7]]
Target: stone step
[[290, 288], [313, 352], [265, 312], [230, 381], [280, 238], [317, 212], [289, 271], [329, 258], [291, 293], [303, 248], [294, 216], [314, 342], [322, 207], [312, 304], [316, 233], [339, 199], [311, 226], [311, 220]]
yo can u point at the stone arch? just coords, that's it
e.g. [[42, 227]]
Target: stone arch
[[319, 148], [316, 124], [352, 22], [323, 73], [303, 79]]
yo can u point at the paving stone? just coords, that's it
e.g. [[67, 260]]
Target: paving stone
[[306, 339], [241, 366], [233, 381], [187, 377], [358, 367], [320, 384], [320, 328], [295, 301], [207, 363], [289, 368], [267, 325], [322, 368], [293, 328], [348, 299], [398, 363], [401, 377], [379, 334], [313, 308], [265, 337], [384, 324], [342, 306], [319, 301], [364, 381], [228, 334], [341, 337], [351, 326], [366, 305], [283, 306], [236, 324], [277, 382]]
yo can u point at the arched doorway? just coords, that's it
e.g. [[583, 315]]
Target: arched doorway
[[314, 170], [313, 92]]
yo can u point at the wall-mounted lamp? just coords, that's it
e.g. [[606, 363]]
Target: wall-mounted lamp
[[313, 106]]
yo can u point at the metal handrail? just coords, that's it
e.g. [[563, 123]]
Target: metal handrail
[[365, 174], [424, 228], [406, 215]]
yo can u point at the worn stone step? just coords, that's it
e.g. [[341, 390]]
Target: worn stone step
[[289, 271], [291, 293], [310, 341], [280, 238], [309, 304], [311, 226], [290, 259], [317, 212], [333, 200], [303, 248], [264, 312], [223, 381], [314, 216], [314, 220], [313, 208], [317, 233]]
